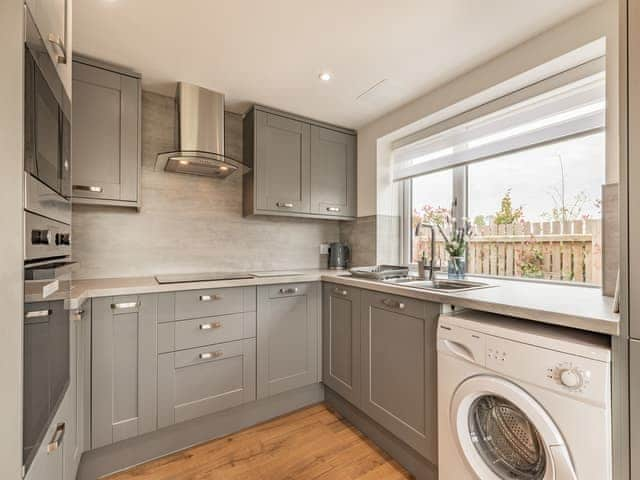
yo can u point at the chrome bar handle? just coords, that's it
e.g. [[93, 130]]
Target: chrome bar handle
[[57, 438], [340, 292], [208, 298], [209, 326], [286, 291], [209, 355], [89, 188], [393, 303], [56, 41], [38, 314], [125, 305], [333, 209], [284, 205]]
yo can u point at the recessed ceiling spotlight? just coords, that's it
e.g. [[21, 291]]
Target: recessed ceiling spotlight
[[183, 162], [325, 76], [223, 168]]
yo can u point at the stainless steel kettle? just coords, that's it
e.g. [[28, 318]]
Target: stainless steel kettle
[[339, 256]]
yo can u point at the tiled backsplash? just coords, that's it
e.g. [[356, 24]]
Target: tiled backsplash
[[190, 223]]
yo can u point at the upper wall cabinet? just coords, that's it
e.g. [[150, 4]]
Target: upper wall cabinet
[[53, 19], [106, 135], [299, 167]]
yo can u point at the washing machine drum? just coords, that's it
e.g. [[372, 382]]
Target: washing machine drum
[[504, 434]]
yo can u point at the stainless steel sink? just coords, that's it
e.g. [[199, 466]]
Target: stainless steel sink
[[441, 285]]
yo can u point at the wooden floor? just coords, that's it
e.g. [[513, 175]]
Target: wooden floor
[[314, 443]]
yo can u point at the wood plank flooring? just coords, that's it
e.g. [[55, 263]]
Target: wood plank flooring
[[311, 444]]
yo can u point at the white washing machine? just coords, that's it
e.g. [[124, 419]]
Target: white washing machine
[[522, 400]]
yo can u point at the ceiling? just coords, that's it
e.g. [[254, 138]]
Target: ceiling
[[271, 52]]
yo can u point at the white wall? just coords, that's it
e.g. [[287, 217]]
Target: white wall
[[11, 246], [377, 196]]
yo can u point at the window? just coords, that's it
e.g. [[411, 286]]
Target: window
[[432, 197], [527, 177], [537, 212]]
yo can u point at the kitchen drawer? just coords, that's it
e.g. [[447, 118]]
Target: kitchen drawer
[[289, 290], [205, 331], [125, 304], [190, 386], [397, 304], [210, 302], [348, 293]]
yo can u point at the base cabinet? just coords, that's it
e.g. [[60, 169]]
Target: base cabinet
[[199, 381], [399, 368], [288, 337], [123, 368], [341, 335]]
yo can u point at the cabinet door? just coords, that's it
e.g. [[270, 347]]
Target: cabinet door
[[341, 336], [288, 324], [204, 380], [123, 368], [333, 172], [282, 163], [48, 464], [399, 368], [53, 19], [105, 134]]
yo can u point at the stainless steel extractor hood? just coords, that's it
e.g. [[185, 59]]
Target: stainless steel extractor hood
[[200, 136]]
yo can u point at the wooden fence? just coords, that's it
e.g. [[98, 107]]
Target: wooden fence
[[568, 251]]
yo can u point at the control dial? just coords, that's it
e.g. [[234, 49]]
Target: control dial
[[40, 237], [574, 378], [63, 239]]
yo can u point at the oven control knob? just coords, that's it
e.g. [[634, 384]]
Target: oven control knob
[[573, 378], [41, 237], [65, 239]]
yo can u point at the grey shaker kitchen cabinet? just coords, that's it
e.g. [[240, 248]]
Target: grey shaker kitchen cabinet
[[341, 335], [288, 334], [280, 163], [299, 167], [333, 172], [124, 367], [53, 19], [106, 135], [199, 381], [399, 368]]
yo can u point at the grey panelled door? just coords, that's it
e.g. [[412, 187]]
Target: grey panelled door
[[399, 368], [333, 172], [123, 368], [204, 380], [106, 109], [282, 172], [341, 336], [288, 333]]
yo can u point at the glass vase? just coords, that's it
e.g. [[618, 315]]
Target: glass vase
[[457, 267]]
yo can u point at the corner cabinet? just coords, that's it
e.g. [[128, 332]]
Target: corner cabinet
[[288, 337], [341, 335], [399, 368], [106, 134], [124, 368], [299, 167]]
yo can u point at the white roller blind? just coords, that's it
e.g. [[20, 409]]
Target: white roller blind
[[576, 107]]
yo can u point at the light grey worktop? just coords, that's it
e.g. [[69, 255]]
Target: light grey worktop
[[567, 305]]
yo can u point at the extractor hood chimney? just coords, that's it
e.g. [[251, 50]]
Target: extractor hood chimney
[[200, 136]]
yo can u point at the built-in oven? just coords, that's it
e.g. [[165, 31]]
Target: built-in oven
[[47, 245]]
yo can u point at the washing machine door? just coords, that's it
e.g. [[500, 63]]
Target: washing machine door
[[504, 434]]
